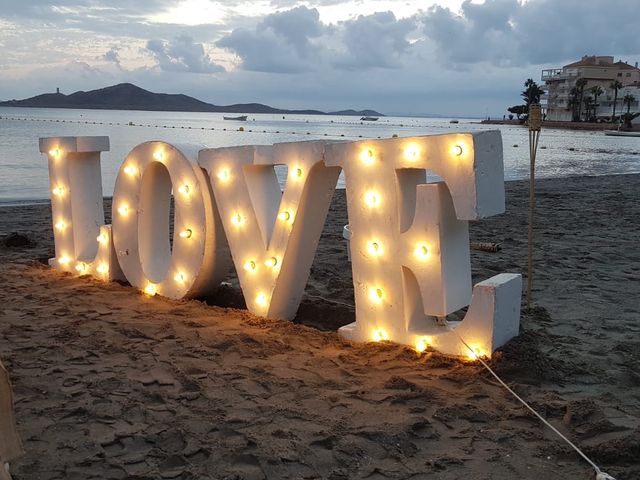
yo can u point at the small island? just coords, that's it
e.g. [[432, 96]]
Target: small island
[[126, 96]]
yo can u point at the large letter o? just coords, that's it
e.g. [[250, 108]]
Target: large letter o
[[199, 258]]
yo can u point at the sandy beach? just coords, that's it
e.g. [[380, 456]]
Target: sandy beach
[[110, 384]]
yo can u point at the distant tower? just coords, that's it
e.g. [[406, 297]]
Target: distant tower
[[58, 90]]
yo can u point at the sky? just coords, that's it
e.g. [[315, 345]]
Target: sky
[[416, 57]]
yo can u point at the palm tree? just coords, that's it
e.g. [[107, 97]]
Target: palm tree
[[531, 93], [615, 86], [596, 91], [588, 103], [573, 104], [628, 100], [580, 84]]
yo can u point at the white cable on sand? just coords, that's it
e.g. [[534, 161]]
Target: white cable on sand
[[600, 475]]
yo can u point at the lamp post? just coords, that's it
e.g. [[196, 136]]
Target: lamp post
[[535, 124]]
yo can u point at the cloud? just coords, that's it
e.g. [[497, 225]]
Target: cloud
[[182, 54], [112, 56], [281, 42], [514, 32], [378, 40], [295, 41]]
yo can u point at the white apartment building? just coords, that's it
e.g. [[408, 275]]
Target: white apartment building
[[597, 71]]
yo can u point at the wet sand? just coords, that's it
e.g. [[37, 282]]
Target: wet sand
[[112, 384]]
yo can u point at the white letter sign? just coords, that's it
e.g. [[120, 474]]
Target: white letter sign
[[410, 238]]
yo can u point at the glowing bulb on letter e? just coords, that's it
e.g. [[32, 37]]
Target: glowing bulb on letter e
[[421, 252], [102, 238], [250, 266], [81, 267], [55, 153], [64, 260], [456, 150], [186, 233], [412, 152], [298, 173], [180, 277], [59, 191], [374, 248], [372, 199], [159, 155], [376, 294], [61, 225], [184, 189], [367, 156]]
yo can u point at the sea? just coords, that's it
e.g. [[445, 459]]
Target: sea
[[24, 172]]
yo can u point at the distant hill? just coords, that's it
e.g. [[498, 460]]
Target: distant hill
[[126, 96]]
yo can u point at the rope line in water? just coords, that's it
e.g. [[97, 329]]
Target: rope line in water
[[600, 475], [238, 130]]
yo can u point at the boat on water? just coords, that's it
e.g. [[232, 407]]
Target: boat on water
[[454, 121], [621, 133], [241, 118], [369, 119]]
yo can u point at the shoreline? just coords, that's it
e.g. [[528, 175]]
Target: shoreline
[[112, 384], [589, 126]]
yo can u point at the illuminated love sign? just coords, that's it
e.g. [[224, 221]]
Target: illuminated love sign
[[409, 245]]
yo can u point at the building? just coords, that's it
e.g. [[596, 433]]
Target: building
[[559, 101]]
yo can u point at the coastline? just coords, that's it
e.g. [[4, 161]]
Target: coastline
[[110, 383]]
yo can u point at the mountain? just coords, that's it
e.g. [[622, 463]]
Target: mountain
[[126, 96]]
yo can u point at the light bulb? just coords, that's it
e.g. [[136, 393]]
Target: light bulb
[[456, 150], [81, 267], [130, 170], [151, 289], [59, 190], [372, 199], [298, 173], [61, 225], [102, 238], [422, 344], [237, 219], [374, 248], [159, 155], [475, 352], [224, 175], [376, 294], [102, 268], [271, 262], [180, 277], [421, 252], [186, 233], [123, 210], [184, 189], [64, 260], [379, 335], [284, 216], [412, 152], [261, 299], [367, 156], [55, 153], [250, 266]]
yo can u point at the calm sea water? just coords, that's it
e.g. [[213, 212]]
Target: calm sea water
[[24, 173]]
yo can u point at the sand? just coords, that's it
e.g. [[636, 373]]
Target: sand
[[112, 384]]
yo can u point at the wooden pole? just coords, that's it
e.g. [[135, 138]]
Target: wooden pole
[[535, 124]]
